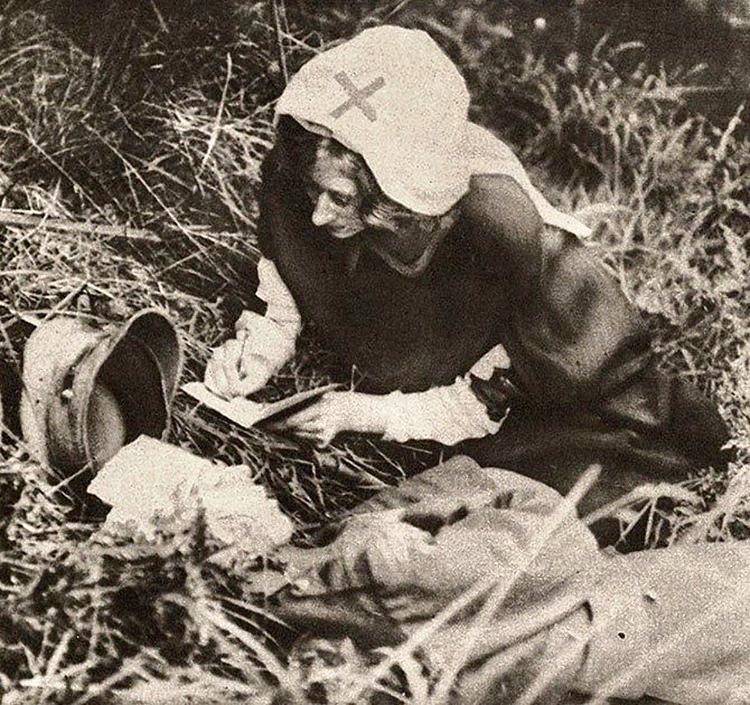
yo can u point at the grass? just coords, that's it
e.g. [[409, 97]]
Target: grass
[[173, 145]]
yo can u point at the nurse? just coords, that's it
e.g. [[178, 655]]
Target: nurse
[[471, 308]]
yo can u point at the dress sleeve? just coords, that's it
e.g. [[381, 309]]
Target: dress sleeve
[[270, 199], [511, 230], [572, 335], [281, 306], [270, 338]]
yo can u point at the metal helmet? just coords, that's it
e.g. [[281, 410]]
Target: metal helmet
[[90, 390]]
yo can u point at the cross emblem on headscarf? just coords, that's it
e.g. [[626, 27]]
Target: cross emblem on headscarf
[[357, 96]]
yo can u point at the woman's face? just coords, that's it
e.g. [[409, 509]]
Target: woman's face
[[335, 195]]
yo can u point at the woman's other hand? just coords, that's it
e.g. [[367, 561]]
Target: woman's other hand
[[234, 370], [336, 412]]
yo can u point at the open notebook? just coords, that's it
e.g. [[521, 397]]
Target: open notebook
[[248, 413]]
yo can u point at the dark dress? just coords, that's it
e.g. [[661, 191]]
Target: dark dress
[[583, 384]]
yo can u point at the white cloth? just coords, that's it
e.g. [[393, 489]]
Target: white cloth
[[271, 289], [448, 414], [155, 487], [486, 154], [391, 95], [271, 337]]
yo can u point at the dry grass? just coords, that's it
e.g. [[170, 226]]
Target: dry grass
[[180, 156]]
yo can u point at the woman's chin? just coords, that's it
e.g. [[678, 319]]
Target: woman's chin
[[342, 233]]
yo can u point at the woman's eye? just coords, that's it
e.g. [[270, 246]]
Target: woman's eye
[[341, 201]]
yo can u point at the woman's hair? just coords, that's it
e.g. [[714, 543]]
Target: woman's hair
[[299, 149]]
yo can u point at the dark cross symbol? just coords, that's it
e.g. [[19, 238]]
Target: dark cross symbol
[[357, 98]]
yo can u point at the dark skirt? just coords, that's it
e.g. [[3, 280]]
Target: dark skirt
[[682, 433]]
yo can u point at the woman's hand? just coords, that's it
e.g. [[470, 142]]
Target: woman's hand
[[336, 412], [234, 371]]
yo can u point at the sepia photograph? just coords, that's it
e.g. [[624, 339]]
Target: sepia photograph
[[383, 352]]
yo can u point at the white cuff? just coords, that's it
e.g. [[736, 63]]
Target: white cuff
[[263, 337], [495, 359], [273, 290], [448, 414], [272, 336]]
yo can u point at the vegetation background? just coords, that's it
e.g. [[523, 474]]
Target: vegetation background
[[156, 114]]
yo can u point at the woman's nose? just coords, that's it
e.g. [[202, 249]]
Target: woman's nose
[[324, 212]]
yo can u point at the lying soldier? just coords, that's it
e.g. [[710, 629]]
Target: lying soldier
[[489, 576]]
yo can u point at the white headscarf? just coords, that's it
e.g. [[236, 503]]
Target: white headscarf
[[391, 95]]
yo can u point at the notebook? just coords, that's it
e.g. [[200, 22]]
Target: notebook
[[247, 413]]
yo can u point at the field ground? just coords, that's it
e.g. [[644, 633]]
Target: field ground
[[163, 127]]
